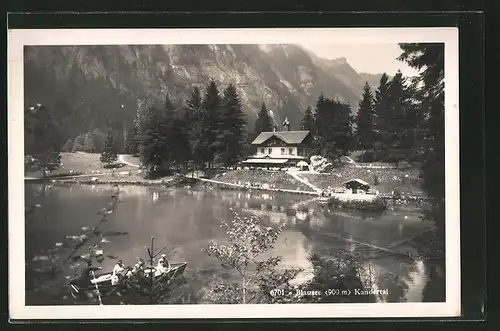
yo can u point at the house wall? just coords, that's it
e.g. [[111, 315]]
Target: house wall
[[280, 152]]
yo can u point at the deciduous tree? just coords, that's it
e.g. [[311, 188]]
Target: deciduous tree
[[248, 240]]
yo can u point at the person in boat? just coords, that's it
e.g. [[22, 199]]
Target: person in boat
[[118, 272], [87, 273], [163, 266], [137, 269], [163, 258]]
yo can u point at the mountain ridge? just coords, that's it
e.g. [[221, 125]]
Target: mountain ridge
[[98, 86]]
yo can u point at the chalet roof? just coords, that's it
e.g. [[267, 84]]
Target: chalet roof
[[289, 137], [362, 182]]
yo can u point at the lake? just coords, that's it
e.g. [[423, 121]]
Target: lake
[[185, 220]]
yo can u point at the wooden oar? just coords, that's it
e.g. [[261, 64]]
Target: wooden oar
[[97, 288]]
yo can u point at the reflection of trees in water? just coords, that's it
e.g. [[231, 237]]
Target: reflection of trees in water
[[38, 190], [376, 269], [435, 286]]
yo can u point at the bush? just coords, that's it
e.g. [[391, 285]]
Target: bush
[[113, 165], [367, 156], [404, 165], [375, 205]]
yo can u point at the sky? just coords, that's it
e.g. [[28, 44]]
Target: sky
[[370, 58]]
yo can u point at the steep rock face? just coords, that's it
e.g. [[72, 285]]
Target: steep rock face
[[98, 86]]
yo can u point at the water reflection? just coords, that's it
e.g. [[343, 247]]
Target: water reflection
[[184, 221]]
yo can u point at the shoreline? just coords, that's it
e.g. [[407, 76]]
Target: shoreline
[[186, 181]]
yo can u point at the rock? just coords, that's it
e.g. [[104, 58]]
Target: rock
[[94, 179]]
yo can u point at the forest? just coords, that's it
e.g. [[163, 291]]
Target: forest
[[403, 120]]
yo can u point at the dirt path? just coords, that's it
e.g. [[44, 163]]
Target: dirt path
[[124, 158], [305, 182], [255, 188]]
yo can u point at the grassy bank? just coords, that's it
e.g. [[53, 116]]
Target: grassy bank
[[82, 167], [274, 179], [384, 180]]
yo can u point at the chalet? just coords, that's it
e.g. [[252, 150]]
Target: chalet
[[356, 186], [280, 149]]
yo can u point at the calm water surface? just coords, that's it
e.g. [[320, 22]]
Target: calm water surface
[[186, 220]]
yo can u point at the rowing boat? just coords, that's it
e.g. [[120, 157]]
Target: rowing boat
[[103, 282]]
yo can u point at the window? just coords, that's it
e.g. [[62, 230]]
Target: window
[[282, 151], [299, 151], [269, 151], [262, 151], [290, 151]]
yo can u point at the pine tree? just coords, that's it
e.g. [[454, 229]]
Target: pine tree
[[68, 146], [342, 134], [132, 139], [264, 122], [400, 137], [308, 120], [152, 149], [194, 105], [211, 119], [78, 144], [42, 137], [333, 127], [98, 138], [365, 120], [195, 115], [231, 136], [382, 111], [108, 154], [322, 121], [168, 133], [429, 58], [177, 135], [134, 135]]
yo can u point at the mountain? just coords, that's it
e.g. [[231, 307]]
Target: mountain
[[89, 87], [340, 69]]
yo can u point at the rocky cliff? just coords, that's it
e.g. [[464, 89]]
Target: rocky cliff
[[97, 86]]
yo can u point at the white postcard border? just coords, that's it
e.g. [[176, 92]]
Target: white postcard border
[[17, 39]]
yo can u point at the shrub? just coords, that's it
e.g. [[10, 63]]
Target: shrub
[[367, 156], [374, 205], [248, 240], [404, 164], [113, 165]]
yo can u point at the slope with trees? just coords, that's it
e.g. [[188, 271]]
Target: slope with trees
[[429, 59]]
